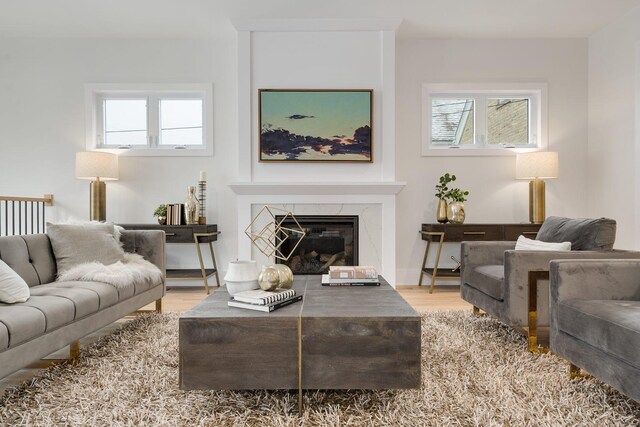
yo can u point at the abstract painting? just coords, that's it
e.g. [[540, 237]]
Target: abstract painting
[[316, 125]]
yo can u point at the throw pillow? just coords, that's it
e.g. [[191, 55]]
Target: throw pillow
[[13, 288], [524, 244], [75, 244]]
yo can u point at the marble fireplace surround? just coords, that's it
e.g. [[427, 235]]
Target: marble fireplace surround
[[373, 202]]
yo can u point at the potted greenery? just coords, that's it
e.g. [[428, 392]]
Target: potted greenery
[[455, 208], [442, 191], [161, 214]]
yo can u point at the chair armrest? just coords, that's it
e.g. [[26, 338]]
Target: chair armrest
[[148, 243], [484, 253], [595, 279]]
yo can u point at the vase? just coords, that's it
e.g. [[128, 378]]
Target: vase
[[241, 276], [269, 279], [162, 220], [191, 206], [441, 214], [455, 212]]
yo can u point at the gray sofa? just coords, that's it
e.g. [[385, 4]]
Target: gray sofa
[[595, 319], [494, 276], [60, 313]]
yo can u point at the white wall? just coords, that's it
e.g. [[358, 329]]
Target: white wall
[[42, 127], [495, 195], [613, 153]]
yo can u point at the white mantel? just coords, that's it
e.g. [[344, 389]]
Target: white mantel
[[317, 188]]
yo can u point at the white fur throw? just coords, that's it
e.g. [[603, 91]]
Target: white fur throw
[[120, 274]]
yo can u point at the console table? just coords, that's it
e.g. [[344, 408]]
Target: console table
[[456, 233], [195, 233]]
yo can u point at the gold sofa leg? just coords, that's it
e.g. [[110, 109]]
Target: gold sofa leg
[[159, 305], [476, 311], [74, 352], [574, 371]]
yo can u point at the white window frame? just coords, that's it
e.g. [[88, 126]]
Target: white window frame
[[535, 92], [94, 110]]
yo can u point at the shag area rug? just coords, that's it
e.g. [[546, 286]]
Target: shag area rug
[[475, 372]]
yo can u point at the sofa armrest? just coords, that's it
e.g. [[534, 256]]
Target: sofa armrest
[[148, 243], [483, 253], [595, 279]]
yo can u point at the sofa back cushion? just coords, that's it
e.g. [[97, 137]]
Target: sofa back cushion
[[585, 234], [30, 256], [75, 244]]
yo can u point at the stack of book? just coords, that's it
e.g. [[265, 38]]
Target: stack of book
[[175, 214], [260, 300], [351, 276]]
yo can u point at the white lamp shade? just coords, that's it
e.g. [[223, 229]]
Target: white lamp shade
[[96, 164], [241, 271], [539, 164]]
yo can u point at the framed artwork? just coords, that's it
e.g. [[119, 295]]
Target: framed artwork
[[315, 125]]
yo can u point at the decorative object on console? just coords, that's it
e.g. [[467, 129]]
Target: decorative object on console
[[98, 167], [537, 166], [202, 197], [268, 238], [161, 214], [241, 276], [441, 193], [191, 206], [316, 125], [455, 208]]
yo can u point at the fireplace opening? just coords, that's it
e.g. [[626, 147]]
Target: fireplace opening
[[330, 240]]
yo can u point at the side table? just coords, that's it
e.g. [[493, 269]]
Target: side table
[[457, 233], [195, 233]]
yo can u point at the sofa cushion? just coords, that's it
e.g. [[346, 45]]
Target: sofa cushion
[[106, 295], [84, 301], [13, 288], [612, 326], [23, 323], [584, 234], [488, 279], [77, 244], [41, 257], [57, 311], [14, 251]]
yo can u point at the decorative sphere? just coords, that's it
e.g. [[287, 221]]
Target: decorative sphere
[[286, 276], [269, 279]]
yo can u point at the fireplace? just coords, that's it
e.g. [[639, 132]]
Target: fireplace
[[330, 240]]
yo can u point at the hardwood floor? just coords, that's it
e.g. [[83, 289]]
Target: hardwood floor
[[443, 298]]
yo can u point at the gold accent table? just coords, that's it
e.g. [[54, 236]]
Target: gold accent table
[[457, 233], [193, 233]]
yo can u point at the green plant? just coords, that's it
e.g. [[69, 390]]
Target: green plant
[[160, 211], [442, 189], [457, 195]]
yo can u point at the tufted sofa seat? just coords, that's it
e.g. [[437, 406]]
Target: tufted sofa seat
[[59, 313]]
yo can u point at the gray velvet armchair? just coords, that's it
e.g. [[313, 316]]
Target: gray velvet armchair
[[595, 319], [495, 277]]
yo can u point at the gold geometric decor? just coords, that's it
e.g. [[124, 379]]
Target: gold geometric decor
[[270, 237]]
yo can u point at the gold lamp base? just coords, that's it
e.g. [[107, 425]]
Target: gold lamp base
[[98, 201], [536, 201]]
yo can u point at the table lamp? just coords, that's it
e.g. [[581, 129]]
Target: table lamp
[[98, 167], [537, 166]]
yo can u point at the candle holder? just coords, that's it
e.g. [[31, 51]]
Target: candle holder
[[202, 198]]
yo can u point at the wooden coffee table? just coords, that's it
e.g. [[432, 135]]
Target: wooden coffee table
[[335, 338]]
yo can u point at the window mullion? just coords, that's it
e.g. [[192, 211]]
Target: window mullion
[[481, 121], [153, 120]]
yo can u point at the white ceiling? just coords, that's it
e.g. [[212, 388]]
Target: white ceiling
[[207, 18]]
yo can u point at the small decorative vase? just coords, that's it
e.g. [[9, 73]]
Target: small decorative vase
[[455, 212], [191, 206], [441, 215], [241, 276], [269, 279], [162, 220], [285, 274]]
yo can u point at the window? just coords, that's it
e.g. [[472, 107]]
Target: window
[[483, 119], [150, 120]]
